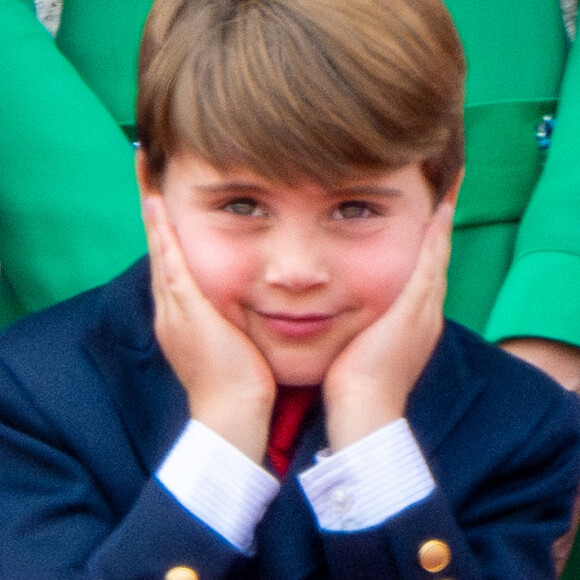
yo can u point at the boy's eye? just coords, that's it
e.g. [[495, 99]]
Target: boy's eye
[[244, 207], [349, 210]]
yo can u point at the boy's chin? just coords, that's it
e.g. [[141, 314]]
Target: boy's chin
[[294, 378], [302, 367]]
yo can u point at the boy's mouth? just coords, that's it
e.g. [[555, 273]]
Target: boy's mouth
[[296, 326]]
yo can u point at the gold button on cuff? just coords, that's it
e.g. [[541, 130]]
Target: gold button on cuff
[[181, 573], [434, 555]]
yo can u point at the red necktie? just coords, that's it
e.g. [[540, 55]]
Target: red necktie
[[292, 405]]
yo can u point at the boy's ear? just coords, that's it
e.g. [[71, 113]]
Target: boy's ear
[[453, 192]]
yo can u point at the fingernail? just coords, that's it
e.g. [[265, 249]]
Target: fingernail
[[446, 211], [149, 208]]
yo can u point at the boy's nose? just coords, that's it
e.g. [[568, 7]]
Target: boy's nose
[[295, 261]]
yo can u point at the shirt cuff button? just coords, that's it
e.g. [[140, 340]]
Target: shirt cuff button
[[340, 501]]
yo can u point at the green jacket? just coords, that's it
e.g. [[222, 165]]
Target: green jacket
[[515, 268], [69, 208]]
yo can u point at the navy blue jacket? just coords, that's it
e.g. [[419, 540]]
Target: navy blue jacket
[[89, 407]]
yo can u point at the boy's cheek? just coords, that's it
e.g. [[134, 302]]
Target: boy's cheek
[[383, 282], [220, 275]]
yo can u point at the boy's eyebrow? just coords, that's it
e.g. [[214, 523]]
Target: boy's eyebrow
[[234, 187], [369, 189], [246, 188]]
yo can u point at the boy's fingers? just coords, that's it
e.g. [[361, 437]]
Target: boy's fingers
[[172, 279], [431, 269], [443, 223], [436, 247], [159, 240], [440, 230], [152, 244], [150, 208]]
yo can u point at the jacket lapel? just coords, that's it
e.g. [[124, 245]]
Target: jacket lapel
[[444, 391], [149, 399]]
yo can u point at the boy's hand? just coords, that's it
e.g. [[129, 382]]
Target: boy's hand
[[229, 385], [368, 384]]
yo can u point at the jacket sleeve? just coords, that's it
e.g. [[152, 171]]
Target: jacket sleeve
[[539, 295], [60, 522], [157, 535], [69, 215], [501, 525]]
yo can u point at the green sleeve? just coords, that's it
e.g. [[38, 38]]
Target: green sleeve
[[540, 296], [101, 40], [69, 213]]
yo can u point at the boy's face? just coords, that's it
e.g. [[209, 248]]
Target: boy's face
[[301, 270]]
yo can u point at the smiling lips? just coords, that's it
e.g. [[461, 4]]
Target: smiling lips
[[291, 326]]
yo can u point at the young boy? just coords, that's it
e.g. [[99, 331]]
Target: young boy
[[275, 393]]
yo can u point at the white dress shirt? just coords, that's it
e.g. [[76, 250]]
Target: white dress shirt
[[360, 486]]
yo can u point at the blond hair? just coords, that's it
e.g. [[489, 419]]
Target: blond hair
[[323, 89]]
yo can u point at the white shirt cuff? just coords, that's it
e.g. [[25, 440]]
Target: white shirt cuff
[[218, 484], [369, 481]]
